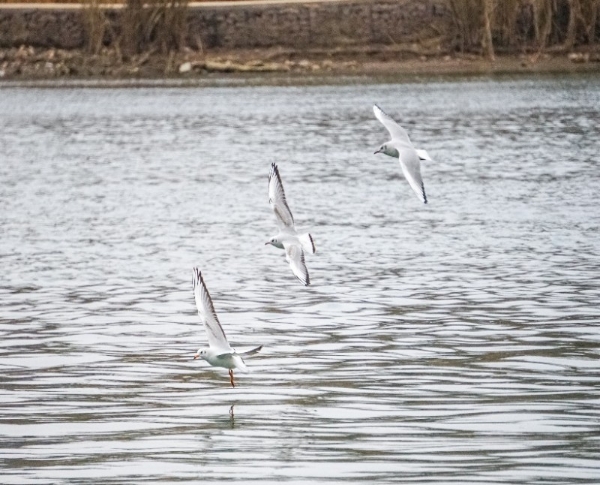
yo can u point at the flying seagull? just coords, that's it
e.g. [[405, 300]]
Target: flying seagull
[[219, 353], [288, 239], [400, 147]]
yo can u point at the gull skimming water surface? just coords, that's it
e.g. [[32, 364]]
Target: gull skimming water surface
[[218, 353]]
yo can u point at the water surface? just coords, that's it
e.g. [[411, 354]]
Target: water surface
[[450, 342]]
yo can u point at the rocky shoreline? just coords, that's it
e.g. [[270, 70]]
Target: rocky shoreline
[[356, 37], [29, 63]]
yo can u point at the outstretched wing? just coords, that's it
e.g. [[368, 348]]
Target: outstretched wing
[[411, 167], [251, 352], [307, 243], [285, 219], [206, 310], [295, 256], [397, 133]]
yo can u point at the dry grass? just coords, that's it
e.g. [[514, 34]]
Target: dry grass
[[153, 25], [95, 24], [149, 26], [530, 25]]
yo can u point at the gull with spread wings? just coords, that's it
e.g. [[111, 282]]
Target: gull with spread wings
[[219, 353], [288, 239], [400, 147]]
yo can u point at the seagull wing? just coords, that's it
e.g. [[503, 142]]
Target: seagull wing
[[411, 168], [206, 310], [397, 133], [285, 219], [251, 352], [295, 256]]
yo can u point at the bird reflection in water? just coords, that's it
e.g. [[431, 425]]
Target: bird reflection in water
[[231, 416]]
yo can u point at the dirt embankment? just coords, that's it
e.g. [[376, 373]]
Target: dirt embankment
[[359, 37], [28, 63]]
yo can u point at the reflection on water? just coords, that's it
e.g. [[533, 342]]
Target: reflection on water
[[451, 342]]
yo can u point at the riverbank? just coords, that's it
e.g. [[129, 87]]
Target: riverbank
[[295, 37], [29, 63]]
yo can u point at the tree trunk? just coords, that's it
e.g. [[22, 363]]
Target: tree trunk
[[571, 29], [488, 44]]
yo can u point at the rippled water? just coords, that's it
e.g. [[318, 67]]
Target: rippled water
[[448, 343]]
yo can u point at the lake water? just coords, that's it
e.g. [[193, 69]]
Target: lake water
[[453, 342]]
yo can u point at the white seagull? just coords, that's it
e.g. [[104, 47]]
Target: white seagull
[[219, 353], [400, 147], [294, 244]]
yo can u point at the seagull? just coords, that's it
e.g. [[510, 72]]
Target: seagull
[[294, 244], [219, 353], [400, 147]]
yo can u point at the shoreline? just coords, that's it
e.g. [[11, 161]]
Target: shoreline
[[48, 66], [295, 39]]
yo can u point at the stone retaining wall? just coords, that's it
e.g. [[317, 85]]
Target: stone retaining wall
[[327, 24]]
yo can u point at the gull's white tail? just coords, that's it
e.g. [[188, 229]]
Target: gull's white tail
[[240, 364], [307, 243], [423, 155]]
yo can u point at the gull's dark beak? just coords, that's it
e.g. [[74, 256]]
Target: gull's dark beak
[[267, 243], [378, 151]]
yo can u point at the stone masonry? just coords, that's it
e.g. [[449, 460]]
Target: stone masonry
[[303, 25]]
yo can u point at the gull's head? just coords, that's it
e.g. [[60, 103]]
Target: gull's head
[[381, 149], [275, 242], [388, 150], [201, 354]]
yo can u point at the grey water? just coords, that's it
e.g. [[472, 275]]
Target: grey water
[[453, 342]]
